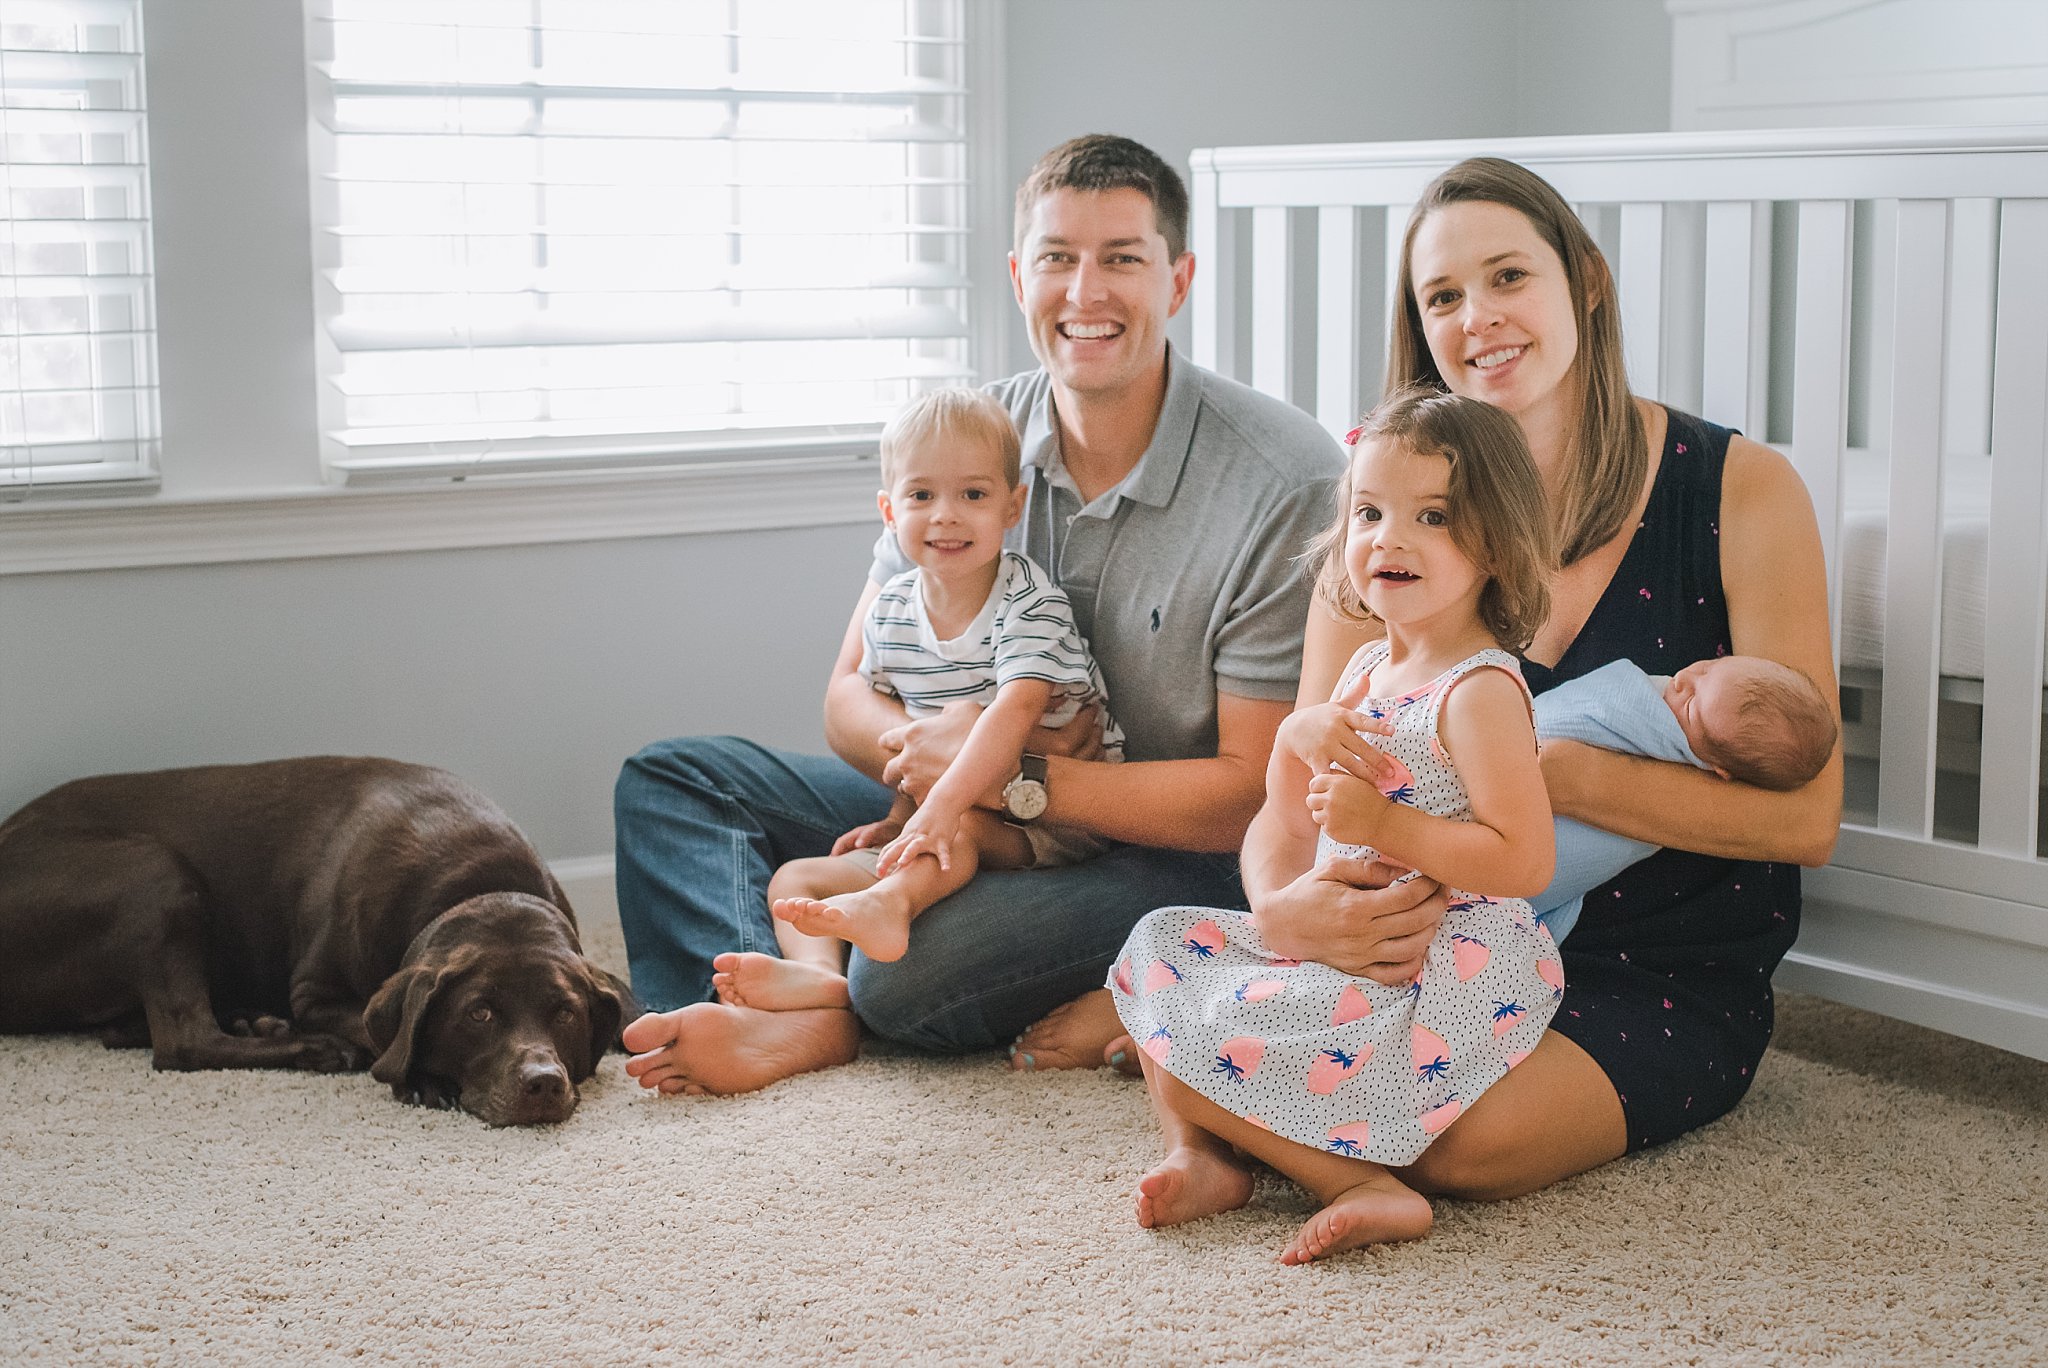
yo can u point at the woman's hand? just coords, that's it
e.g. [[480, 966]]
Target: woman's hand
[[1343, 913], [1348, 809], [1326, 736]]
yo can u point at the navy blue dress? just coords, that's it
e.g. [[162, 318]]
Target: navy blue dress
[[1668, 975]]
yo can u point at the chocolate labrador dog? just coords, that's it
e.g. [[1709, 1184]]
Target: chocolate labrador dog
[[322, 913]]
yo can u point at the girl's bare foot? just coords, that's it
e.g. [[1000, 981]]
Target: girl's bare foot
[[770, 984], [1191, 1183], [709, 1047], [1073, 1035], [874, 919], [1378, 1210]]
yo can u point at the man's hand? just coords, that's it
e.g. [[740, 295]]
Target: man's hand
[[1343, 913], [926, 746], [1348, 809], [868, 837], [1326, 737]]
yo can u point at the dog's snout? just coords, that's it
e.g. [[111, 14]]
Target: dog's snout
[[544, 1079]]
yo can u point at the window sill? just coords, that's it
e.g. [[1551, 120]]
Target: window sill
[[739, 496]]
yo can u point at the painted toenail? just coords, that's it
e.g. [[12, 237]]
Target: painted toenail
[[1029, 1062], [1116, 1060]]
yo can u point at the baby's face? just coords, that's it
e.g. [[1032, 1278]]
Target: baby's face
[[1705, 697]]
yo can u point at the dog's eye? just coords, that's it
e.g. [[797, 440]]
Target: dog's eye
[[566, 1012], [479, 1014]]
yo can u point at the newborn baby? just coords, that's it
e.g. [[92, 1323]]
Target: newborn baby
[[1743, 717]]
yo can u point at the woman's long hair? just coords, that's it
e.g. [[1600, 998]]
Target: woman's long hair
[[1608, 456]]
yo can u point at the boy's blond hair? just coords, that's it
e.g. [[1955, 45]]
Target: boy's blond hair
[[958, 413]]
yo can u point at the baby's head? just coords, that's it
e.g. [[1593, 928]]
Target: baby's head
[[1493, 507], [1753, 719], [951, 469]]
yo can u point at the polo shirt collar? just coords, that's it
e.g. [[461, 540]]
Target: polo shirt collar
[[1153, 480]]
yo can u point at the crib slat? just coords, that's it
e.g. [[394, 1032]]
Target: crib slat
[[1973, 285], [1338, 307], [1737, 326], [1272, 302], [1639, 279], [2017, 539], [1820, 349], [1213, 295], [1913, 522]]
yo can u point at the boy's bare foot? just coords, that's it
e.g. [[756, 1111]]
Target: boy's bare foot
[[746, 979], [709, 1047], [1189, 1184], [1378, 1210], [1073, 1035], [876, 920]]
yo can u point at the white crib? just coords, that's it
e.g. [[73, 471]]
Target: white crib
[[1873, 302]]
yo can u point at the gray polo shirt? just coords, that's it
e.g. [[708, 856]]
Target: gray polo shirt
[[1185, 577]]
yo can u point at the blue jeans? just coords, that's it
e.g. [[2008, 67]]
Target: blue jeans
[[702, 822]]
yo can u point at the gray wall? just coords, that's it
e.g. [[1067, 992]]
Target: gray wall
[[534, 670]]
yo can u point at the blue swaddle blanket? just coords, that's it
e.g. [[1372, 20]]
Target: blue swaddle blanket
[[1616, 707]]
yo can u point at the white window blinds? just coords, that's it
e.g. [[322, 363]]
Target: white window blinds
[[77, 326], [564, 233]]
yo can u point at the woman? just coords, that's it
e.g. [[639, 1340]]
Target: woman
[[1680, 541]]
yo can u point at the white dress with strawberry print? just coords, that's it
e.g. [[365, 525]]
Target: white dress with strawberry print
[[1319, 1056]]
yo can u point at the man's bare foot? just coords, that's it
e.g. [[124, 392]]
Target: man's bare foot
[[1189, 1184], [1378, 1210], [746, 979], [1073, 1035], [709, 1047], [877, 920]]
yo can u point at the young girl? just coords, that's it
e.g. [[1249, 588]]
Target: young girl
[[1330, 1077]]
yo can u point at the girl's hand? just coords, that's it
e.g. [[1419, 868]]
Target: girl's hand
[[869, 836], [1326, 736], [1348, 809], [925, 834]]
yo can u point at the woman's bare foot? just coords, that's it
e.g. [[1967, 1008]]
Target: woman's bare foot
[[1191, 1183], [1073, 1035], [771, 984], [1121, 1054], [877, 920], [1378, 1210], [709, 1047]]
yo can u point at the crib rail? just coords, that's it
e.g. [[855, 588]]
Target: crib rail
[[1874, 302]]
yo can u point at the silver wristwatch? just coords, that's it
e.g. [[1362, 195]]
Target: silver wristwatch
[[1024, 798]]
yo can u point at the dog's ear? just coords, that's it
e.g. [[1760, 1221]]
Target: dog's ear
[[612, 1005], [393, 1020]]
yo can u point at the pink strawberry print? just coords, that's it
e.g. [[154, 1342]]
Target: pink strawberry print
[[1333, 1067], [1469, 956], [1123, 976], [1239, 1057], [1203, 939], [1552, 973], [1436, 1118], [1517, 1056], [1258, 1121], [1259, 989], [1159, 1045], [1399, 783], [1507, 1016], [1351, 1005], [1160, 975], [1350, 1140], [1432, 1054]]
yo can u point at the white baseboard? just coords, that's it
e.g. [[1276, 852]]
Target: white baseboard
[[588, 880]]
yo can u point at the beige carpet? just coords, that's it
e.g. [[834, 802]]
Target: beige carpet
[[1881, 1198]]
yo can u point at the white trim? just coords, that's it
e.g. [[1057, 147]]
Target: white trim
[[737, 496], [990, 196]]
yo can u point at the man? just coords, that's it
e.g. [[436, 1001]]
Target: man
[[1170, 504]]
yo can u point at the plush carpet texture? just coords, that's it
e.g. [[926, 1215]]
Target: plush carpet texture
[[1880, 1198]]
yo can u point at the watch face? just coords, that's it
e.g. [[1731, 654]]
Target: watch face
[[1024, 799]]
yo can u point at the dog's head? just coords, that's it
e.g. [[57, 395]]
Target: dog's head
[[496, 1010]]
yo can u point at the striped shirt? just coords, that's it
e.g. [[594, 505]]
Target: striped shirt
[[1025, 630]]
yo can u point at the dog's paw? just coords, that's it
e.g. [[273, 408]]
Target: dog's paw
[[260, 1026], [331, 1054], [432, 1092]]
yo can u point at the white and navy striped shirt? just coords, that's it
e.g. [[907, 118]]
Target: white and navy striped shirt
[[1024, 631]]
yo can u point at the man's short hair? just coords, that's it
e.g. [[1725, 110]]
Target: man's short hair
[[957, 413], [1104, 161]]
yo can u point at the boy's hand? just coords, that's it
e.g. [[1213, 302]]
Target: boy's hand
[[1326, 736], [1348, 809], [868, 837], [927, 833]]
